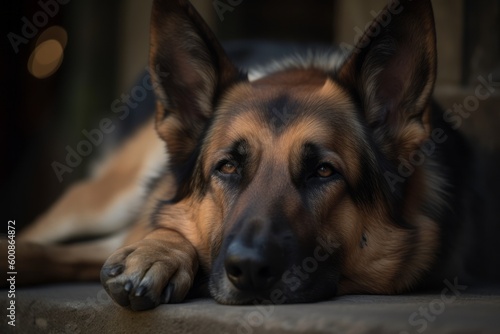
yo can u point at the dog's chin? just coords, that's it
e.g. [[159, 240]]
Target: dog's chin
[[224, 292]]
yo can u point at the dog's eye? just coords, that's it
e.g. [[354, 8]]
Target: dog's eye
[[325, 170], [228, 168]]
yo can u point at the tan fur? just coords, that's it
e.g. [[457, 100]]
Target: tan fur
[[108, 201]]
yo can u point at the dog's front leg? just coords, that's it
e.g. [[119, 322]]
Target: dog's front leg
[[156, 270]]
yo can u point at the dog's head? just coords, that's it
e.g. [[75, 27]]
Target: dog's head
[[288, 185]]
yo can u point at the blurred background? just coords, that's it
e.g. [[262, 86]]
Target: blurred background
[[64, 63]]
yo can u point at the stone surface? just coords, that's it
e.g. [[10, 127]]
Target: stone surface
[[87, 309]]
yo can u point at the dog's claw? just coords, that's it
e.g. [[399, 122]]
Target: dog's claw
[[140, 291], [167, 293], [113, 272], [128, 286]]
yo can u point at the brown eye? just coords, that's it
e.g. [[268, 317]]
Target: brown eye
[[228, 168], [325, 171]]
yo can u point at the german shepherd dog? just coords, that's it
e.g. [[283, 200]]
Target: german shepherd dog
[[349, 192]]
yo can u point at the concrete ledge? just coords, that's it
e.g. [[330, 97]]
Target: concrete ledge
[[87, 309]]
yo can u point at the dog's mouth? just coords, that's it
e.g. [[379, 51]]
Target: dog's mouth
[[308, 281], [222, 290]]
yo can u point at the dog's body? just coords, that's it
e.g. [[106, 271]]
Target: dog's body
[[312, 179]]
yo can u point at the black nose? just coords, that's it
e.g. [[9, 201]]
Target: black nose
[[253, 269]]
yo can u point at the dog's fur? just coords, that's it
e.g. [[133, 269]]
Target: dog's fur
[[337, 195]]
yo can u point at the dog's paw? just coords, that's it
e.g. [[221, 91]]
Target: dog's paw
[[148, 273]]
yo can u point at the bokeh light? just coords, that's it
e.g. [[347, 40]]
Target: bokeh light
[[48, 55]]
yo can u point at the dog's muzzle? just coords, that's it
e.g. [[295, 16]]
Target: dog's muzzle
[[263, 260]]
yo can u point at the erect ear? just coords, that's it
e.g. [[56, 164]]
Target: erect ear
[[392, 72], [190, 71]]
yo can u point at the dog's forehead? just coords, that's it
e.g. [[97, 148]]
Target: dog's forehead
[[303, 101]]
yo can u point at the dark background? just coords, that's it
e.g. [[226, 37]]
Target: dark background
[[106, 52]]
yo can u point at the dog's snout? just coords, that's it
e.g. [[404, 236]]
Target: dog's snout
[[253, 269]]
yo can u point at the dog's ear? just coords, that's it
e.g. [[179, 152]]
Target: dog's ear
[[190, 71], [392, 72]]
